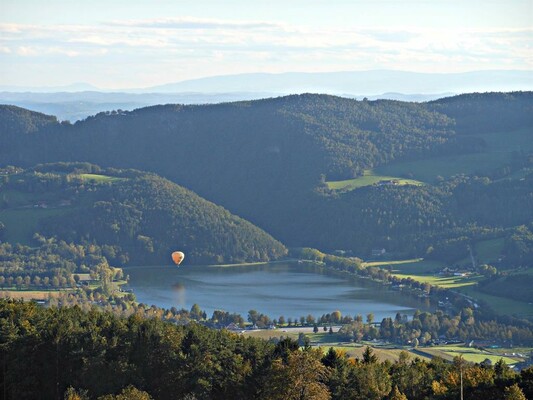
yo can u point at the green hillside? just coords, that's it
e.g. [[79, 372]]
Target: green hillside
[[499, 151], [147, 216], [290, 165]]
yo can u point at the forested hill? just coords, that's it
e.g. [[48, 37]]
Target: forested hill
[[268, 161], [145, 216], [285, 140], [288, 139], [487, 112]]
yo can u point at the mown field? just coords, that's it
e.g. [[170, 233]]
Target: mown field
[[447, 282], [498, 152], [425, 271], [28, 295], [416, 266], [99, 178], [325, 340], [501, 305], [369, 178], [468, 353]]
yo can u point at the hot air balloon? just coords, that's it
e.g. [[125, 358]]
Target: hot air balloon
[[178, 257]]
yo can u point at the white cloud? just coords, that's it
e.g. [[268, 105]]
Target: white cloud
[[182, 48], [195, 23]]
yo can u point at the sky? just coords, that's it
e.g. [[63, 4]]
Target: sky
[[115, 44]]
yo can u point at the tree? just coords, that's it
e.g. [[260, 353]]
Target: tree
[[514, 393], [336, 316], [368, 356], [397, 395], [369, 318], [315, 328], [502, 370], [196, 312], [128, 393], [303, 340], [301, 377], [73, 394], [18, 281]]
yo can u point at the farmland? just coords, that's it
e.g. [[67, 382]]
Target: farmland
[[325, 340], [416, 266], [501, 305], [469, 354], [391, 352], [497, 153], [425, 271], [97, 178], [447, 282], [369, 178]]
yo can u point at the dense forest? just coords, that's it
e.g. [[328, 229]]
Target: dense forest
[[140, 216], [74, 354], [268, 161]]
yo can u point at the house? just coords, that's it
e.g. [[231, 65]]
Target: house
[[233, 327]]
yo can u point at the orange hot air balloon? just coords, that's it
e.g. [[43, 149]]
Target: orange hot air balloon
[[178, 257]]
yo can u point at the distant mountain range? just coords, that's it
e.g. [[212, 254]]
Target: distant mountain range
[[79, 100], [356, 83]]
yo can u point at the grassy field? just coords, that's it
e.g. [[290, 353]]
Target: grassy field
[[325, 340], [500, 305], [99, 178], [448, 282], [415, 266], [499, 151], [423, 271], [383, 353], [469, 354], [21, 224], [368, 178], [28, 295]]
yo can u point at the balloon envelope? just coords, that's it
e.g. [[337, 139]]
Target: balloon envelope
[[178, 257]]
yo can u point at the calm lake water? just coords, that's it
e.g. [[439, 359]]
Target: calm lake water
[[287, 289]]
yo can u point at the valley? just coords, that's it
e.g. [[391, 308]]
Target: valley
[[364, 228]]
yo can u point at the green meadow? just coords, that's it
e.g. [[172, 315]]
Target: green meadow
[[99, 178], [447, 282], [498, 152], [500, 305], [369, 178], [415, 266], [468, 353]]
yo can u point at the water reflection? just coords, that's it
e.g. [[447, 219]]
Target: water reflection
[[179, 295], [287, 289]]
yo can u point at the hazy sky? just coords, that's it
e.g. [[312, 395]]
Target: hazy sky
[[133, 43]]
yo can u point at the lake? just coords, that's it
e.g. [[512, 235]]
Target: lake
[[288, 289]]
